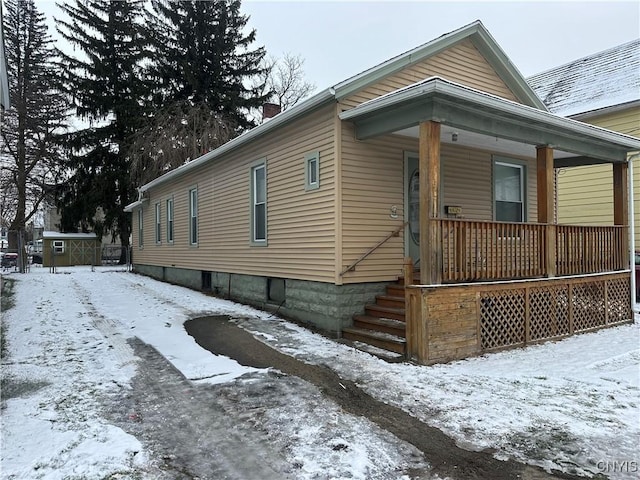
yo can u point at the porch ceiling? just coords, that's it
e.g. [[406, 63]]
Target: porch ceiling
[[486, 121]]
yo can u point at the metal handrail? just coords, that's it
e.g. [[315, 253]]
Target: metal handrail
[[395, 233]]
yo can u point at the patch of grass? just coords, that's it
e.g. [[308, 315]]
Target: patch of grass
[[6, 302], [13, 388], [6, 299]]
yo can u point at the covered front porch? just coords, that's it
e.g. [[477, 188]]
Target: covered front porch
[[492, 284]]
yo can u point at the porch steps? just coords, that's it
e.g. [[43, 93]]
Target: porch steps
[[383, 323], [381, 340], [377, 310]]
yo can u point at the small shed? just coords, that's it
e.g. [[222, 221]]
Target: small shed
[[67, 249]]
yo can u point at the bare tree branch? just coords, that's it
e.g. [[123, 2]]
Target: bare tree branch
[[175, 136], [285, 81]]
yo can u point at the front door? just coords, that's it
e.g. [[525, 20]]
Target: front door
[[412, 207]]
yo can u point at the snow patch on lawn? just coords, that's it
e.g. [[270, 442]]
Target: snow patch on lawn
[[571, 405]]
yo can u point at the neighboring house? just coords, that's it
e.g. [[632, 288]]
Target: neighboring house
[[443, 155], [602, 89], [4, 79]]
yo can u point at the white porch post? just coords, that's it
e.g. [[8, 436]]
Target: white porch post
[[429, 167]]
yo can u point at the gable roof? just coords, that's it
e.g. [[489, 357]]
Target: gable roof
[[479, 36], [603, 80], [475, 32], [470, 109]]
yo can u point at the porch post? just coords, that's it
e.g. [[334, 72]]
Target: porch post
[[620, 194], [546, 199], [429, 168], [621, 208]]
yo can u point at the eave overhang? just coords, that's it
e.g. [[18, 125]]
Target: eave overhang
[[449, 103], [288, 116], [138, 203], [620, 107]]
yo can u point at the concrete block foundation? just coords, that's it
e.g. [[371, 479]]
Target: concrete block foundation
[[323, 305]]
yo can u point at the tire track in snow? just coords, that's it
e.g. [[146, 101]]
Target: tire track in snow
[[109, 329]]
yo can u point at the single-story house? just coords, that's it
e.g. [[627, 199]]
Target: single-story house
[[602, 89], [68, 249], [410, 207]]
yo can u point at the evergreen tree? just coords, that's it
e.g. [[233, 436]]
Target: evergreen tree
[[30, 128], [201, 65], [108, 91], [202, 55]]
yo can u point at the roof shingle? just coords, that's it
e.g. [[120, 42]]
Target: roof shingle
[[594, 82]]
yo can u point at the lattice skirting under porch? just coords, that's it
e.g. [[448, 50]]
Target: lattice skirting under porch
[[512, 317]]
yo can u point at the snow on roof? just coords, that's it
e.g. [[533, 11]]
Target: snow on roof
[[605, 79], [63, 236]]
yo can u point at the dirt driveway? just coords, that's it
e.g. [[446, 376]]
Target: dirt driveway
[[221, 336]]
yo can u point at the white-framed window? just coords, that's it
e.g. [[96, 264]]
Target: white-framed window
[[170, 220], [259, 203], [140, 229], [158, 231], [58, 247], [193, 216], [312, 171], [509, 191]]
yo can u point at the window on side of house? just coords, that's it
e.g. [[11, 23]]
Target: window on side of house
[[158, 224], [193, 216], [58, 247], [259, 204], [509, 191], [170, 220], [312, 171], [140, 229]]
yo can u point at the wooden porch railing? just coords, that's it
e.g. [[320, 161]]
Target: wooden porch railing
[[479, 250], [591, 249]]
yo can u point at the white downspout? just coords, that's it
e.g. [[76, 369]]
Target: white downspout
[[632, 259]]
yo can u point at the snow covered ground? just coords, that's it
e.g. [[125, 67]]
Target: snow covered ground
[[572, 405]]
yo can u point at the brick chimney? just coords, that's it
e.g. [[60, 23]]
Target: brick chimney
[[270, 110]]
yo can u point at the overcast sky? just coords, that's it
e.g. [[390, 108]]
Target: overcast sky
[[339, 39]]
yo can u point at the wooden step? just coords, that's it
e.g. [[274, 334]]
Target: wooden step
[[395, 290], [385, 312], [416, 279], [385, 325], [390, 301], [377, 339]]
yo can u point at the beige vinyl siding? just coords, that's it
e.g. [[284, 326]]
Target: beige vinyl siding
[[462, 63], [300, 224], [585, 194], [467, 181], [373, 182]]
